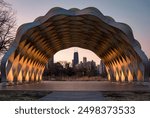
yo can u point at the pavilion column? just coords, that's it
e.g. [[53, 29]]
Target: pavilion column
[[120, 80], [112, 77], [134, 78], [126, 75]]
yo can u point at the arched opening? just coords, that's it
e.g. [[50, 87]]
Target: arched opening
[[59, 29], [63, 66]]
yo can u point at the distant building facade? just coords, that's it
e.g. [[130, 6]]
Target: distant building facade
[[50, 63], [102, 68], [84, 59], [86, 68], [49, 67], [75, 59]]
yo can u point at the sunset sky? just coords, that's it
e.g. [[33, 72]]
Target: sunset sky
[[135, 13]]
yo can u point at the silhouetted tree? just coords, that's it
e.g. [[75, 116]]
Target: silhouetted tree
[[7, 26], [70, 71], [58, 69]]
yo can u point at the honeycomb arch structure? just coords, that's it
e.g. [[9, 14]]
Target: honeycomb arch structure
[[59, 29]]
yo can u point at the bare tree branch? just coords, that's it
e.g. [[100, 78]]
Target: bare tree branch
[[7, 26]]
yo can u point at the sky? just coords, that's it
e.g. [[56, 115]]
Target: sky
[[135, 13]]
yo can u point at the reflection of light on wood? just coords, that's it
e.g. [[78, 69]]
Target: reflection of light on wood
[[120, 70], [40, 77], [20, 76], [108, 75], [10, 76], [32, 76], [122, 77], [139, 75], [130, 77], [37, 77], [42, 70], [27, 77], [117, 76]]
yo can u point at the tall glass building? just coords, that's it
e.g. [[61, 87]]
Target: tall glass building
[[75, 58]]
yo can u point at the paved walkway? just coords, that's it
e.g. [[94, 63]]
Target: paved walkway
[[81, 86], [73, 96]]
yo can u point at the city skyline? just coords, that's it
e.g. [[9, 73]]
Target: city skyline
[[135, 13], [82, 53]]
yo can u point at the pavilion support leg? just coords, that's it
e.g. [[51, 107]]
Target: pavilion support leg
[[23, 79], [135, 78], [15, 81], [113, 79], [126, 79], [120, 80]]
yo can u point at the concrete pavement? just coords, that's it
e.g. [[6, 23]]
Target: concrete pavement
[[73, 96]]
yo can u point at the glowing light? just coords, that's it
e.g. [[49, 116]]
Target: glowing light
[[130, 76], [108, 75], [139, 75], [20, 76], [117, 76], [27, 77], [10, 76], [32, 77], [37, 77], [122, 77]]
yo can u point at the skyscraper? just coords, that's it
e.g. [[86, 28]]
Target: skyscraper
[[75, 59], [51, 62], [102, 68], [84, 60]]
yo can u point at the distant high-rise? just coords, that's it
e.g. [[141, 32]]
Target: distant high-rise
[[51, 62], [75, 58], [102, 68], [84, 60]]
